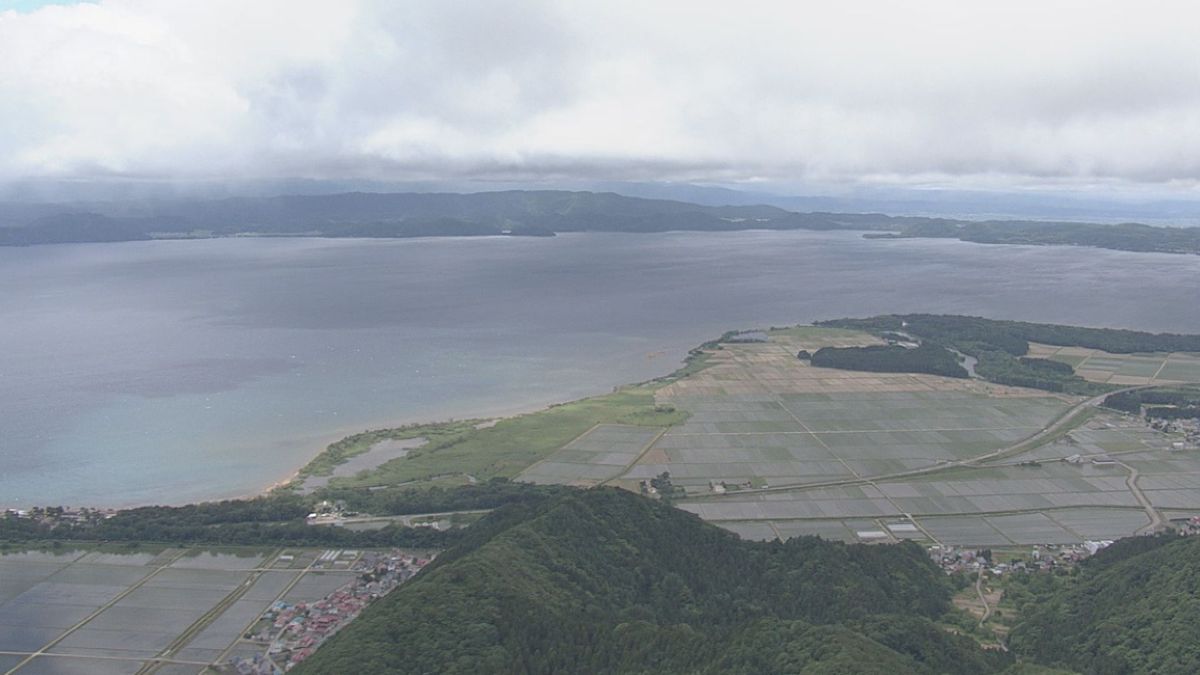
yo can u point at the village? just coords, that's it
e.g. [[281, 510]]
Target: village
[[291, 632], [1189, 427], [54, 515], [1040, 558]]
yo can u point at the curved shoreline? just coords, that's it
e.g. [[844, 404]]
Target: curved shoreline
[[486, 420]]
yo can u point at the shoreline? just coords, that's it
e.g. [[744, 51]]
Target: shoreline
[[320, 442], [491, 418]]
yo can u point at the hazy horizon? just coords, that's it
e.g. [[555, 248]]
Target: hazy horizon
[[1080, 102]]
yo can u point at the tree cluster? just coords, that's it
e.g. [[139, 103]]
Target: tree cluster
[[927, 358]]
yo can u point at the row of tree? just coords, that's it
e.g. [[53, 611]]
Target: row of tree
[[277, 519], [1161, 403], [968, 333]]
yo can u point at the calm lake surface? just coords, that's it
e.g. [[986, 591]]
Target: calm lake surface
[[167, 372]]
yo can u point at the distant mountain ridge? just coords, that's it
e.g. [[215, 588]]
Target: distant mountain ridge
[[566, 211], [519, 213]]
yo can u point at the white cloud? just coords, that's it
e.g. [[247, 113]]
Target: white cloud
[[961, 93]]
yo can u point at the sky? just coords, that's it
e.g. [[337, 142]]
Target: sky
[[1087, 95]]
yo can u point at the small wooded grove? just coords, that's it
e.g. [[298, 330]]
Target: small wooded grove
[[927, 358]]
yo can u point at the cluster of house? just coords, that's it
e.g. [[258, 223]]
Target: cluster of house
[[292, 632], [1188, 527], [59, 514], [1190, 428], [1042, 558], [330, 513]]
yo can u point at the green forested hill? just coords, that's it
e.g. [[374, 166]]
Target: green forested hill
[[605, 581], [1132, 608]]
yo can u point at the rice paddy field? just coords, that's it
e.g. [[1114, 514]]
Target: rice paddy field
[[600, 454], [772, 447], [168, 611], [1124, 369], [1037, 497]]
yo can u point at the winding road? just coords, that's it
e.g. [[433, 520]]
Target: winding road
[[1156, 519]]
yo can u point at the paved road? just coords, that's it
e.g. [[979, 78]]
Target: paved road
[[1156, 519], [1063, 422]]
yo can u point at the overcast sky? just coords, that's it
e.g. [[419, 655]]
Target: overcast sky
[[965, 94]]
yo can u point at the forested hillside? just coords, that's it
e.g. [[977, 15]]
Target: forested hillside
[[1132, 608], [604, 581]]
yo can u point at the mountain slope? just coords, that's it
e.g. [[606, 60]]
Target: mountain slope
[[605, 581], [1132, 608]]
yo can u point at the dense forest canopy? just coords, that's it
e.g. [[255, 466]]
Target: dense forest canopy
[[927, 358], [1132, 608]]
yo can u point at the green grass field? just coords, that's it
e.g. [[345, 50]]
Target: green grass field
[[515, 443]]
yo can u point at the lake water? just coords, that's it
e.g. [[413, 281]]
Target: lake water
[[166, 372]]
